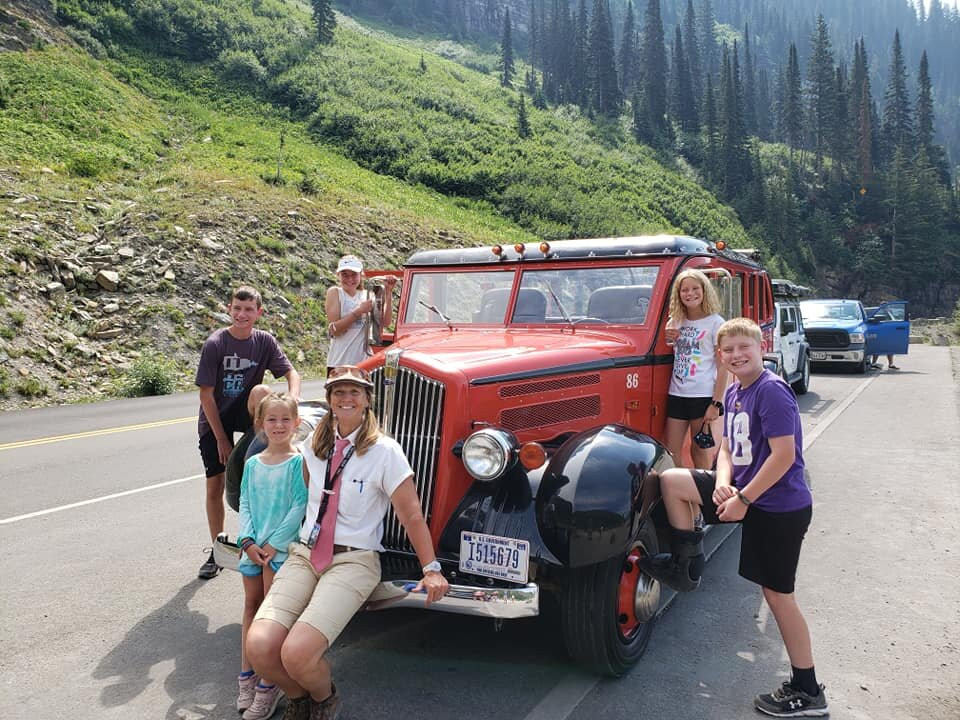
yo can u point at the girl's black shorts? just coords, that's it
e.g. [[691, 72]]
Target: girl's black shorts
[[687, 408], [770, 545]]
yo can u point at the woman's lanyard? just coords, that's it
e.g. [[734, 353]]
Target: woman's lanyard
[[329, 481]]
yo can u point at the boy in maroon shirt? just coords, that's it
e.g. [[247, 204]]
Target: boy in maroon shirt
[[230, 376], [759, 483]]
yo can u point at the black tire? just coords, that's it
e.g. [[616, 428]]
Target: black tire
[[861, 367], [234, 469], [591, 618], [801, 386]]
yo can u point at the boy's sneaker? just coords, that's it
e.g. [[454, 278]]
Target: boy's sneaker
[[210, 568], [248, 688], [264, 703], [788, 701], [329, 709]]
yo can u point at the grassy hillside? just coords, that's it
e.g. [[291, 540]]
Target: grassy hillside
[[161, 163]]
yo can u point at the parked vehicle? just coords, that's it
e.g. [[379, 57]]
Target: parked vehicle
[[527, 386], [791, 352], [836, 331], [888, 328]]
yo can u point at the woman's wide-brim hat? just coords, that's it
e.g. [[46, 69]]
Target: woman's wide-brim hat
[[348, 374]]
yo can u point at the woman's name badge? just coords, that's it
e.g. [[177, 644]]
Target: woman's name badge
[[314, 534]]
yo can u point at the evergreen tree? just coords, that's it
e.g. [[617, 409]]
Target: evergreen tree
[[791, 116], [604, 87], [653, 66], [507, 69], [708, 38], [628, 52], [734, 157], [534, 33], [641, 127], [682, 105], [692, 46], [523, 123], [897, 122], [324, 19], [749, 85], [578, 77], [839, 138], [924, 105], [821, 91], [712, 130]]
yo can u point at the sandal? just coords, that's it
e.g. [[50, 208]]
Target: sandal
[[892, 367]]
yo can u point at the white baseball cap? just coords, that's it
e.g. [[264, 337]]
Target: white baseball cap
[[350, 262]]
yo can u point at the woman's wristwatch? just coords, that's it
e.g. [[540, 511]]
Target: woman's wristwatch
[[718, 404], [433, 566]]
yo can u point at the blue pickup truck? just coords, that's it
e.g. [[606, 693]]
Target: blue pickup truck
[[843, 331]]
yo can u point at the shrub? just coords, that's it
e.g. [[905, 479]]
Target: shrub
[[150, 375], [85, 164], [241, 66], [4, 382], [31, 388]]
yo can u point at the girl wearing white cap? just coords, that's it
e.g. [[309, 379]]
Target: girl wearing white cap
[[348, 306]]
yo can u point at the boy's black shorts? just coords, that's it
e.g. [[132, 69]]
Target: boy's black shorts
[[687, 408], [234, 419], [770, 546]]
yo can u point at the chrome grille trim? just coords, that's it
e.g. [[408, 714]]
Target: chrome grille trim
[[415, 405]]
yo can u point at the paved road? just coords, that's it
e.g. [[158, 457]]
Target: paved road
[[101, 615]]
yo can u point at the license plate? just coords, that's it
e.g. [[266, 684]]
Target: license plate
[[494, 556], [818, 356]]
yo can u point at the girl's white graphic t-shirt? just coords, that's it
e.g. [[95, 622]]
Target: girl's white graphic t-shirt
[[695, 357]]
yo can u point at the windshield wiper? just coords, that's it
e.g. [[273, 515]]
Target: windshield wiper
[[560, 307], [435, 309]]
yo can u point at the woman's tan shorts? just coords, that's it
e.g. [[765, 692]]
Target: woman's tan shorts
[[326, 601]]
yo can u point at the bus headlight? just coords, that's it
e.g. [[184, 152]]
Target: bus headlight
[[489, 453]]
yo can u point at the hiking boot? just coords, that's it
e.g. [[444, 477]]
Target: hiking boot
[[329, 709], [248, 688], [209, 569], [788, 701], [680, 569], [298, 708], [264, 703]]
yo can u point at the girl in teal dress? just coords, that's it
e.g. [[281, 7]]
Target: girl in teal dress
[[273, 499]]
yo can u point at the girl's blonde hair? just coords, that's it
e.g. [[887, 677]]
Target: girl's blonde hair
[[274, 399], [711, 301], [367, 435]]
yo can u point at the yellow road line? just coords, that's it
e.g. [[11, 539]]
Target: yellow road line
[[94, 433]]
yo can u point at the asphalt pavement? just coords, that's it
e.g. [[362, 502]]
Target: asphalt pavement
[[101, 614]]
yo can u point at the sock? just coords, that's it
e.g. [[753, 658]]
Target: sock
[[261, 686], [245, 674], [805, 679]]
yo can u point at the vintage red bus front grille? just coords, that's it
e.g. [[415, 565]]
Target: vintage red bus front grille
[[416, 424]]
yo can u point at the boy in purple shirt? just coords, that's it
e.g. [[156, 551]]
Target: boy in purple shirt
[[230, 376], [758, 483]]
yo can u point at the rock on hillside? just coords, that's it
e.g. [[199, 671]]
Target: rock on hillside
[[91, 284]]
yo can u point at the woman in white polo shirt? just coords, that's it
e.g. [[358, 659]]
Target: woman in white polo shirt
[[332, 570]]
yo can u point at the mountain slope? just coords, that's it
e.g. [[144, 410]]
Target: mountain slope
[[163, 169]]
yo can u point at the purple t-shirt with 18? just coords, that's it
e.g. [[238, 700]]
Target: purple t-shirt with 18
[[765, 409], [231, 367]]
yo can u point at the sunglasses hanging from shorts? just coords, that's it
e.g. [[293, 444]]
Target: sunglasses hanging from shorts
[[704, 439]]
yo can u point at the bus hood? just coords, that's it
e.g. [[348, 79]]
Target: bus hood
[[484, 353]]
